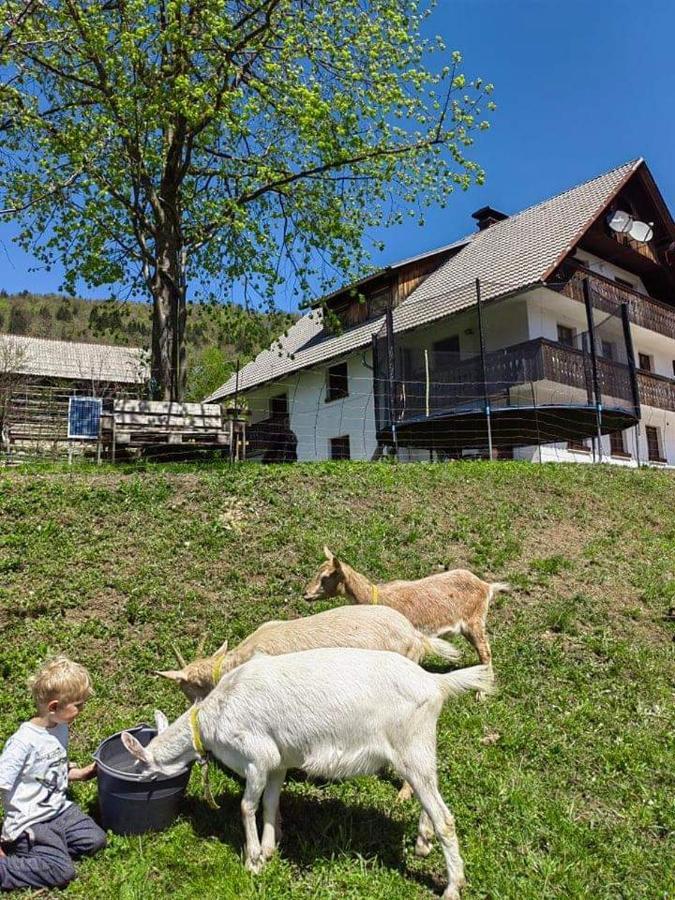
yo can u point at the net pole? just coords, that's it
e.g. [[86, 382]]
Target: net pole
[[594, 365], [391, 373], [486, 396]]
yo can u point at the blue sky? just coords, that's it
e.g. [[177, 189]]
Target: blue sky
[[581, 86]]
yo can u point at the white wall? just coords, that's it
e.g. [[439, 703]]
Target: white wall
[[535, 314], [316, 421]]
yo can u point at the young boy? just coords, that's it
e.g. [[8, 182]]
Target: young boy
[[43, 830]]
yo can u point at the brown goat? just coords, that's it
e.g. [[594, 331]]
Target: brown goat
[[454, 602], [368, 628]]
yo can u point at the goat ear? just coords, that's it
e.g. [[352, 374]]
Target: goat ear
[[327, 553], [135, 747], [172, 674], [222, 649], [161, 721]]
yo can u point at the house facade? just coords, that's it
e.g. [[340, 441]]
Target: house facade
[[548, 335]]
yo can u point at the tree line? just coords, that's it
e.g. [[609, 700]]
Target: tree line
[[216, 335]]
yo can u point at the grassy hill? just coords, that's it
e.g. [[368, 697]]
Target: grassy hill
[[562, 784], [215, 335]]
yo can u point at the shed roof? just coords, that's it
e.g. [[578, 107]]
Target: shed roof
[[69, 359]]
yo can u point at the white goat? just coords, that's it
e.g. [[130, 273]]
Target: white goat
[[334, 713], [365, 627]]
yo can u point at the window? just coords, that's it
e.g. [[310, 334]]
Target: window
[[338, 383], [379, 302], [645, 362], [617, 446], [608, 349], [579, 446], [339, 447], [279, 406], [566, 336], [653, 444], [447, 345]]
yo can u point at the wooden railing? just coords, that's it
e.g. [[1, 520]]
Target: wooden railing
[[656, 390], [607, 295], [458, 385]]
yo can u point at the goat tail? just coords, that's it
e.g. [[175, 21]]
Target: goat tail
[[499, 587], [440, 647], [475, 678]]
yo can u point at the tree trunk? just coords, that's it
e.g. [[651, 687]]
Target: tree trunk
[[168, 317]]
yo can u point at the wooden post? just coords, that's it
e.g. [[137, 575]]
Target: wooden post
[[486, 395], [594, 365]]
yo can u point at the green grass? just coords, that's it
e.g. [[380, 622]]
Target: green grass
[[561, 785]]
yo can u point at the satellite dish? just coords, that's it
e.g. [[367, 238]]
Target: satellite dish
[[641, 232], [620, 221]]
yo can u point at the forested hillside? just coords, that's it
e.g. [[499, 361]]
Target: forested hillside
[[216, 335]]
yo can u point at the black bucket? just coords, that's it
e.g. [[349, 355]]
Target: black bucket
[[130, 801]]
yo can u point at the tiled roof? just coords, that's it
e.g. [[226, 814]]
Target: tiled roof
[[510, 255], [66, 359]]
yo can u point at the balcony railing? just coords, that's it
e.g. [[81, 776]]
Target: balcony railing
[[608, 295], [456, 386], [656, 390]]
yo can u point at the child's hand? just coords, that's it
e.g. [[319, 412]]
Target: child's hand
[[83, 774]]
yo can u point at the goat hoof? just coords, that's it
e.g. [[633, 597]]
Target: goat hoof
[[422, 847], [268, 852], [404, 794], [255, 866], [481, 696], [451, 892]]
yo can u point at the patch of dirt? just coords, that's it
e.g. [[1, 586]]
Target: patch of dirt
[[106, 607], [557, 539]]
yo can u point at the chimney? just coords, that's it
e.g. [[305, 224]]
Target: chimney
[[486, 216]]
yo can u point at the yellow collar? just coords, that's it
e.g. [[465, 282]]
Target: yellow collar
[[217, 670], [197, 741], [374, 594], [200, 749]]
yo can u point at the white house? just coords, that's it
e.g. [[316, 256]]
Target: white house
[[569, 353]]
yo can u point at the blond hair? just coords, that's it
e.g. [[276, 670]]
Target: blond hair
[[60, 679]]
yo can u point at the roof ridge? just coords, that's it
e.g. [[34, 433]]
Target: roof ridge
[[633, 163], [34, 337]]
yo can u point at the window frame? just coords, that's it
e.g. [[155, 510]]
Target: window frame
[[334, 446], [335, 391], [657, 442], [572, 343], [650, 362], [619, 452]]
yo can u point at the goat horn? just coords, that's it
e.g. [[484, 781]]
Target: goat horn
[[179, 655]]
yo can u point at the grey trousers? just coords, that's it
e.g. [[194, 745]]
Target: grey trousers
[[44, 857]]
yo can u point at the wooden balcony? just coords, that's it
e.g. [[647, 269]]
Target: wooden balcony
[[608, 295], [656, 390], [512, 375], [539, 391]]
